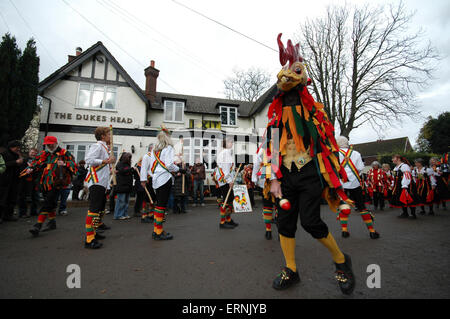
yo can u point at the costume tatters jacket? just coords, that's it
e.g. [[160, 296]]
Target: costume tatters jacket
[[47, 162], [306, 122]]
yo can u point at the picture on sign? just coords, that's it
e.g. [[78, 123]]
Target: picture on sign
[[241, 201]]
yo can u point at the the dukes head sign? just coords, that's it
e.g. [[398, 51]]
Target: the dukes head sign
[[92, 118]]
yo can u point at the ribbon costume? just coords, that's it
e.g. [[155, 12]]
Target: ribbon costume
[[54, 177], [304, 162]]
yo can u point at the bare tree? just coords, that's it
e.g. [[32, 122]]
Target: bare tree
[[366, 64], [246, 85]]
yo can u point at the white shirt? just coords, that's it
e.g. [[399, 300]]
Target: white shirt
[[160, 175], [407, 176], [424, 170], [353, 181], [258, 180], [145, 167], [94, 158], [225, 162]]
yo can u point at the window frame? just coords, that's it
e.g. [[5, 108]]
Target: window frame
[[75, 150], [106, 89], [173, 119], [228, 108]]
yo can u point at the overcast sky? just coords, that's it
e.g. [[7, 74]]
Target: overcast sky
[[195, 55]]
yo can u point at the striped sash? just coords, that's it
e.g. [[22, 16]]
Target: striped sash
[[158, 162], [93, 173], [348, 162]]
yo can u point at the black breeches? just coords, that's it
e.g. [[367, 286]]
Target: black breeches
[[163, 193], [97, 198], [356, 195], [224, 191], [303, 189]]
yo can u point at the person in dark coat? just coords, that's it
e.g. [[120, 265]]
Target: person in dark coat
[[78, 181], [198, 172], [124, 186], [28, 187], [9, 181], [177, 190]]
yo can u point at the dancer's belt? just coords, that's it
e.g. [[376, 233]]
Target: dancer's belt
[[300, 159]]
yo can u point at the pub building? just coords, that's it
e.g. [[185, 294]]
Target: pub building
[[93, 90]]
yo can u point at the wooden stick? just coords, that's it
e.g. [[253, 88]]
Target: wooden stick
[[229, 191], [111, 151], [146, 190]]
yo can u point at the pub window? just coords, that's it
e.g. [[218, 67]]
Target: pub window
[[228, 115], [79, 150], [173, 111], [97, 96]]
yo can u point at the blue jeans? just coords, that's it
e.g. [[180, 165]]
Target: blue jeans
[[63, 194], [198, 185], [121, 209]]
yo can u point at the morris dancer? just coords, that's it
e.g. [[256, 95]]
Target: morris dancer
[[352, 162], [149, 205], [98, 157], [161, 164], [426, 183], [259, 174], [304, 167], [224, 174], [57, 166], [377, 182], [404, 193], [440, 173]]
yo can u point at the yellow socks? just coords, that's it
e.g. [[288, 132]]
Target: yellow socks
[[288, 247], [332, 246]]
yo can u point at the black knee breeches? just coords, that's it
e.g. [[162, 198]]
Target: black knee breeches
[[303, 189]]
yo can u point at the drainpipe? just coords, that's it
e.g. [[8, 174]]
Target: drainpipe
[[48, 113]]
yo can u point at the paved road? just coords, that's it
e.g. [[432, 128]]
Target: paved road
[[205, 262]]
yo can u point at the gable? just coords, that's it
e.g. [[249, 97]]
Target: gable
[[95, 65]]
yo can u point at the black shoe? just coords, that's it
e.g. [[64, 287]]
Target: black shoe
[[51, 225], [103, 227], [345, 234], [94, 244], [381, 208], [413, 216], [374, 235], [36, 229], [345, 276], [226, 226], [162, 236], [232, 223], [431, 213], [285, 279], [99, 237], [422, 212], [268, 235]]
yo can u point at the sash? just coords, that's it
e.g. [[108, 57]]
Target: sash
[[348, 162], [93, 173], [158, 162]]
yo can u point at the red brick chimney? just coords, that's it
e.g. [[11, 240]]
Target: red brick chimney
[[78, 51], [151, 76]]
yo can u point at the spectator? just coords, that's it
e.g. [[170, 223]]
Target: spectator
[[140, 191], [199, 175], [63, 195], [247, 176], [28, 187], [78, 181], [9, 181], [179, 205], [124, 186]]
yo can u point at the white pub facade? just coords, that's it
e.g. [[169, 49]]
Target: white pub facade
[[93, 90]]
